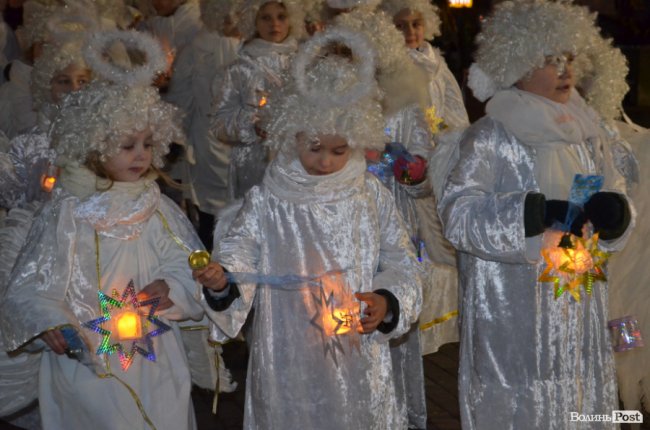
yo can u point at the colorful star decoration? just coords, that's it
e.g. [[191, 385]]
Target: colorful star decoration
[[125, 320], [570, 268], [336, 323], [436, 123]]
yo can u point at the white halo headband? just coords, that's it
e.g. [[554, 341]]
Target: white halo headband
[[361, 50], [64, 26], [132, 40]]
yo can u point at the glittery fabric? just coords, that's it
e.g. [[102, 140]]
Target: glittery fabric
[[298, 378], [527, 360], [256, 74], [55, 282], [21, 169]]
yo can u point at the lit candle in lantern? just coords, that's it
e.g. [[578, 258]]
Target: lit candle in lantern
[[263, 101], [128, 325], [48, 178], [339, 321], [460, 3]]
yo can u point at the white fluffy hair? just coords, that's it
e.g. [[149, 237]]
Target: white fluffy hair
[[603, 83], [36, 14], [361, 122], [101, 115], [315, 10], [55, 57], [518, 36], [214, 12], [248, 13], [425, 7]]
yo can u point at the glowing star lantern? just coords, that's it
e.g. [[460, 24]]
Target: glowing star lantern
[[339, 321], [571, 264], [126, 319], [460, 3], [198, 259], [263, 101]]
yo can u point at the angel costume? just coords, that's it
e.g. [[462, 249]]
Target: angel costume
[[177, 30], [527, 359], [83, 242], [247, 85], [298, 376]]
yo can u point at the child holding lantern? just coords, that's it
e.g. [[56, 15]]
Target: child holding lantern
[[533, 305], [104, 273], [320, 253]]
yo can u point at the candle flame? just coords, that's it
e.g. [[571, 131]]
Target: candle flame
[[128, 325], [47, 183]]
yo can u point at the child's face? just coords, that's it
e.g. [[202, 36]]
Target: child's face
[[68, 80], [324, 154], [411, 24], [133, 160], [553, 81], [166, 7], [272, 22]]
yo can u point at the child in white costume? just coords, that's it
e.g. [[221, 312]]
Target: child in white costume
[[530, 355], [270, 30], [418, 21], [198, 74], [403, 102], [108, 227], [316, 212], [176, 23]]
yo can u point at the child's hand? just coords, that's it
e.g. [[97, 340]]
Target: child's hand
[[157, 288], [55, 340], [375, 312], [211, 276]]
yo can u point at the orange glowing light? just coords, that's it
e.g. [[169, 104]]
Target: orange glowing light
[[128, 325], [47, 183], [263, 101], [576, 260], [460, 3], [339, 321]]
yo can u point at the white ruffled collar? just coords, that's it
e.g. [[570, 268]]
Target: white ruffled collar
[[260, 48]]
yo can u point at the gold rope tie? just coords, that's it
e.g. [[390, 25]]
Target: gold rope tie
[[445, 317], [217, 360], [110, 374], [171, 233]]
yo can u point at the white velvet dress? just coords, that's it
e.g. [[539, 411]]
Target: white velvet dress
[[141, 236], [527, 360], [297, 224]]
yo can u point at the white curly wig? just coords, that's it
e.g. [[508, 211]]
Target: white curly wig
[[603, 83], [518, 36], [315, 10], [101, 115], [55, 57], [425, 7], [36, 14], [360, 122], [248, 13], [213, 12]]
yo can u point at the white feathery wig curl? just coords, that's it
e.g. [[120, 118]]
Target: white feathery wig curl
[[36, 14], [248, 13], [102, 114], [603, 84], [335, 95], [214, 12], [425, 7], [518, 36], [55, 57], [315, 10]]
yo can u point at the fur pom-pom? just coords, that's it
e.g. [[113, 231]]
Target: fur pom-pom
[[480, 83]]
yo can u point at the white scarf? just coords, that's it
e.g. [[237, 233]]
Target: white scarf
[[287, 179], [567, 138]]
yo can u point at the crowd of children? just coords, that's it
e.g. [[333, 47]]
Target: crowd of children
[[338, 212]]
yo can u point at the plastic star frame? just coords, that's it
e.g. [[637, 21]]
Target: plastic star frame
[[152, 326], [566, 279]]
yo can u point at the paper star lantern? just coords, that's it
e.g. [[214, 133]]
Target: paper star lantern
[[126, 320]]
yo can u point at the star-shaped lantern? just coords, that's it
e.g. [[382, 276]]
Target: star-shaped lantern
[[334, 321], [127, 320], [573, 265]]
